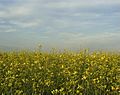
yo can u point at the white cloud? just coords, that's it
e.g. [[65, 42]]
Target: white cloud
[[3, 13], [17, 10], [28, 23], [81, 3], [79, 39], [99, 38], [69, 36], [89, 15], [9, 30]]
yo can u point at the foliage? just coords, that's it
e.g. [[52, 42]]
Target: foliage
[[59, 73]]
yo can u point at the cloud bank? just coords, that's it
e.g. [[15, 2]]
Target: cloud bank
[[60, 23]]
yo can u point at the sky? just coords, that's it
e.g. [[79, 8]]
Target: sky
[[72, 24]]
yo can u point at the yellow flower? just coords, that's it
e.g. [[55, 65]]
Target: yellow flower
[[84, 77], [1, 61], [113, 88], [62, 66], [75, 72], [102, 58]]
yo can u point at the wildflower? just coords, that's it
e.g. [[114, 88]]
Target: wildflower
[[84, 77], [62, 66]]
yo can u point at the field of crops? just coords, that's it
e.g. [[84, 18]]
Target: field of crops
[[59, 73]]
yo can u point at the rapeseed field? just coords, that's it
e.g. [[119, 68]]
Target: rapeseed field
[[59, 73]]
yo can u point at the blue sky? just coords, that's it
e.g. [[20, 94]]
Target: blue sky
[[70, 24]]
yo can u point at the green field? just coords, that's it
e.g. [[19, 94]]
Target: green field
[[59, 73]]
